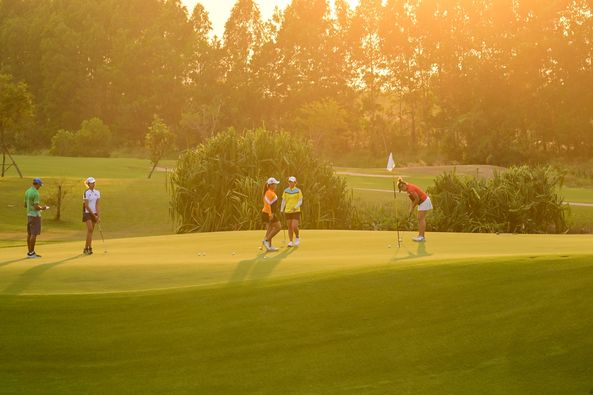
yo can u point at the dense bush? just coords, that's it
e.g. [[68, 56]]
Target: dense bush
[[519, 200], [219, 185], [92, 139]]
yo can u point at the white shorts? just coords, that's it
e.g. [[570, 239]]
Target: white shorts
[[425, 205]]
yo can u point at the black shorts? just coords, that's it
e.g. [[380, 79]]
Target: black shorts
[[293, 216], [34, 226], [88, 217], [266, 218]]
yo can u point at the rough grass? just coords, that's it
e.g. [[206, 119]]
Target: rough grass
[[135, 206], [342, 314]]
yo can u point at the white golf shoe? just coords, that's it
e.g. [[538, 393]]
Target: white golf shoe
[[419, 239], [272, 249], [290, 244], [297, 242]]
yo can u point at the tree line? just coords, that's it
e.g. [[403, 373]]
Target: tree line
[[495, 81]]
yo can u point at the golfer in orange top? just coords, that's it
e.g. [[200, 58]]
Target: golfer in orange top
[[419, 199], [270, 213]]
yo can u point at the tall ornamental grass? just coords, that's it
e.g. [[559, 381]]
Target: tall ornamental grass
[[219, 185], [519, 200]]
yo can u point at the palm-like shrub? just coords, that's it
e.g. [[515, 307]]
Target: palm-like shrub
[[519, 200], [219, 185]]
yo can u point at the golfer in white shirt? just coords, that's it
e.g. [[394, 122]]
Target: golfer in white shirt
[[90, 212]]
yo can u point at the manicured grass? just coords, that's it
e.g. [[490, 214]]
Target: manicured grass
[[581, 219], [579, 195], [81, 168], [145, 263], [330, 317]]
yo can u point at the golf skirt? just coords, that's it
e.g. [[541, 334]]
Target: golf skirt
[[425, 205]]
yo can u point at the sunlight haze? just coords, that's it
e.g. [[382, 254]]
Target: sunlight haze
[[219, 10]]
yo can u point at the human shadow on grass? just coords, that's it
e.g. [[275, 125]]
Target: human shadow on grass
[[13, 261], [420, 253], [28, 277], [259, 267]]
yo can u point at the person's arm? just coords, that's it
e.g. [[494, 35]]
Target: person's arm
[[85, 203], [97, 207], [274, 206], [298, 205], [37, 206], [299, 202], [283, 206], [415, 200]]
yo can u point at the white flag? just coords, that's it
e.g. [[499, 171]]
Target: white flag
[[390, 162]]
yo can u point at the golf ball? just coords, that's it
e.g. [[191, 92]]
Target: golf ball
[[389, 246], [233, 253], [265, 257]]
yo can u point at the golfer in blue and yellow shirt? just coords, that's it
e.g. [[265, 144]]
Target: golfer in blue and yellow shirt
[[292, 200]]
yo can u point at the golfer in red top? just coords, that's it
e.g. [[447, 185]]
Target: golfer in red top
[[420, 199]]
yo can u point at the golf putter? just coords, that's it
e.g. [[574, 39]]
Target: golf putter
[[102, 237]]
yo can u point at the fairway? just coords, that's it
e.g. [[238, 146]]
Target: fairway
[[343, 313]]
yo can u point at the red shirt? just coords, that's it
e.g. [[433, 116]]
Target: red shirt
[[414, 188]]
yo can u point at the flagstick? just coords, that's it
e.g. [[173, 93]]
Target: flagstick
[[390, 167], [396, 215]]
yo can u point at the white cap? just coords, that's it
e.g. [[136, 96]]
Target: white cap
[[272, 180], [292, 179], [90, 180]]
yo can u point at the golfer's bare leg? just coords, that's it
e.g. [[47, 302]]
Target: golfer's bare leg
[[271, 232], [289, 223], [275, 228], [421, 223], [90, 227], [31, 240], [268, 231], [295, 227]]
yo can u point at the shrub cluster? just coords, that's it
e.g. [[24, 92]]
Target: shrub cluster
[[219, 185], [92, 139], [518, 200]]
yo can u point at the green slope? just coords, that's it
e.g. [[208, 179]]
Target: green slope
[[488, 325]]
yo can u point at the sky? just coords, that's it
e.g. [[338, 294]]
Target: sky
[[219, 10]]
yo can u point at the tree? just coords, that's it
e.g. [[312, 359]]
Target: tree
[[325, 124], [243, 40], [16, 113], [158, 141]]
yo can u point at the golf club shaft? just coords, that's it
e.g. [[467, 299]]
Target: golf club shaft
[[102, 237]]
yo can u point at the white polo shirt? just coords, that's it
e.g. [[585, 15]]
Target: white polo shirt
[[91, 196]]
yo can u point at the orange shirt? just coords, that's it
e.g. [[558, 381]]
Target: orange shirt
[[269, 198], [414, 188]]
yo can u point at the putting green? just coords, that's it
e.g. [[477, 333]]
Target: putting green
[[163, 262], [343, 313]]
